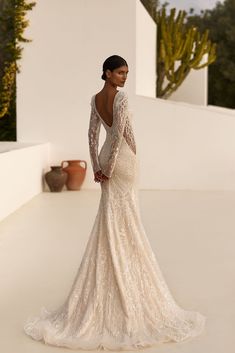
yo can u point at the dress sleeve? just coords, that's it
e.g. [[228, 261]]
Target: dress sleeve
[[93, 138], [119, 121]]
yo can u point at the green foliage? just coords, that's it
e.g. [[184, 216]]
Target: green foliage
[[177, 43], [12, 26], [7, 87], [220, 21], [8, 122]]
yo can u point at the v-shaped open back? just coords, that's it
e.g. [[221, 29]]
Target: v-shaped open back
[[121, 125], [112, 109]]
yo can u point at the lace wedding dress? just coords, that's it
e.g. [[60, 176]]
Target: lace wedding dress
[[119, 299]]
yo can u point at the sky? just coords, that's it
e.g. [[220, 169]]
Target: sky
[[187, 4]]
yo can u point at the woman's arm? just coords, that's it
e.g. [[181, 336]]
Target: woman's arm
[[93, 137], [119, 120]]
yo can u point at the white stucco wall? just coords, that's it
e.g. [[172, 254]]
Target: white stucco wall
[[145, 52], [184, 146], [194, 89]]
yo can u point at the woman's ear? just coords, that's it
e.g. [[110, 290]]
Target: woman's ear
[[108, 73]]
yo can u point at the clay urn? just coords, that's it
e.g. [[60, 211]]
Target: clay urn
[[76, 170], [56, 178]]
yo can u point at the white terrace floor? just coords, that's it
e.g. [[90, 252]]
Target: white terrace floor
[[191, 232]]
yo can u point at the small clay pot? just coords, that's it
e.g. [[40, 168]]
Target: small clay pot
[[56, 178], [76, 173]]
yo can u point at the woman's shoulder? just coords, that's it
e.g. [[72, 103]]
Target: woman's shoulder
[[121, 96], [91, 100]]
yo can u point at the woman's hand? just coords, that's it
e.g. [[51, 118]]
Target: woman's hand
[[100, 177]]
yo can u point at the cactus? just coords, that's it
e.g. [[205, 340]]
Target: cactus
[[175, 43]]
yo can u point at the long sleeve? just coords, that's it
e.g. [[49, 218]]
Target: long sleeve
[[119, 121], [93, 137]]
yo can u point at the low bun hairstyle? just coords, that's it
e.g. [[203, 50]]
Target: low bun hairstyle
[[111, 63]]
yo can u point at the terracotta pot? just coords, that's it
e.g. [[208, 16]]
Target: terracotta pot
[[56, 178], [76, 173]]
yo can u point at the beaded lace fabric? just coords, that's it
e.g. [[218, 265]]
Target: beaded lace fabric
[[119, 299]]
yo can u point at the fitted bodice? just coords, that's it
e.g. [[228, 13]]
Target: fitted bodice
[[120, 128]]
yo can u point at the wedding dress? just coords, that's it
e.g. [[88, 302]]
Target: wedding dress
[[119, 299]]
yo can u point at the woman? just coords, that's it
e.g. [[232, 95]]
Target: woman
[[119, 299]]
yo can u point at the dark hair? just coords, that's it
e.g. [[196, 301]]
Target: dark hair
[[111, 63]]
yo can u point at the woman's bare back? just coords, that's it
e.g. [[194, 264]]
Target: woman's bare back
[[104, 106]]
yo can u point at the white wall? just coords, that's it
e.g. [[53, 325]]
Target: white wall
[[145, 52], [194, 89], [22, 174], [184, 146]]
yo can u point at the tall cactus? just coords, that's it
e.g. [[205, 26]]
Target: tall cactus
[[175, 43]]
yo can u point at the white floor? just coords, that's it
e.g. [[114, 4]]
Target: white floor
[[191, 232]]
